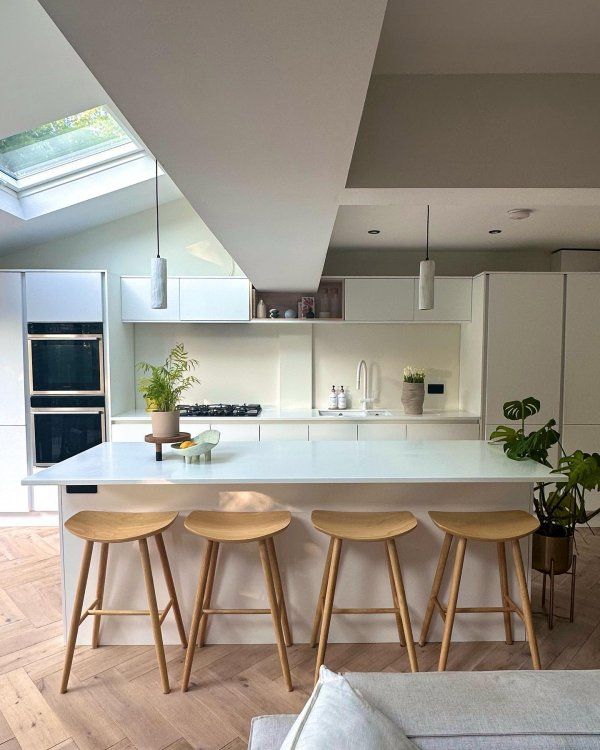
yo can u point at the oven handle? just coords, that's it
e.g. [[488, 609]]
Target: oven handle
[[69, 336]]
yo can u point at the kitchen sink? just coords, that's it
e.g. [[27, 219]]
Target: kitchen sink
[[355, 413]]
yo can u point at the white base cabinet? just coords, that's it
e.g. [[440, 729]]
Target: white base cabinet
[[14, 497], [467, 431]]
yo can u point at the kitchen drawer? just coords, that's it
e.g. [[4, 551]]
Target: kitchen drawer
[[461, 431], [235, 431], [332, 431], [381, 431], [296, 431]]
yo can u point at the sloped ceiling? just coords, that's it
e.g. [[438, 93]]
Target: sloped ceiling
[[251, 107]]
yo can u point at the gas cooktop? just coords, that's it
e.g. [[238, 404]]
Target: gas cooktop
[[220, 410]]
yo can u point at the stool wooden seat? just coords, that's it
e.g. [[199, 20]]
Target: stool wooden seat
[[488, 526], [370, 527], [219, 527], [362, 527], [113, 528], [499, 527]]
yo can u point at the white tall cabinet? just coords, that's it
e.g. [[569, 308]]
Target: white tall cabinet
[[13, 437]]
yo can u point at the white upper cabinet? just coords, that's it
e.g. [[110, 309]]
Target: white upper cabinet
[[582, 349], [214, 299], [452, 300], [12, 371], [524, 342], [56, 297], [135, 301], [379, 299]]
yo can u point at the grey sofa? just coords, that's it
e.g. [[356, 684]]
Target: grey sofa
[[505, 710]]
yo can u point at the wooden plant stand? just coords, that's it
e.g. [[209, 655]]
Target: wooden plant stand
[[572, 573], [160, 441]]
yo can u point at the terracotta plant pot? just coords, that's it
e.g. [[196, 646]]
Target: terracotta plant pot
[[545, 549], [413, 395], [165, 423]]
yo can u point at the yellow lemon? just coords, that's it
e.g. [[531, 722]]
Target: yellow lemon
[[187, 444]]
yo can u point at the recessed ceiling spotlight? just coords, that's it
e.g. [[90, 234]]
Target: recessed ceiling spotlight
[[495, 231], [374, 231], [519, 213]]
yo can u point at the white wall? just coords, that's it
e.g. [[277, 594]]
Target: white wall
[[479, 131], [125, 246], [387, 349]]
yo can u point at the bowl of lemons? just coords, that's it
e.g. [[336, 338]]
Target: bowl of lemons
[[200, 445]]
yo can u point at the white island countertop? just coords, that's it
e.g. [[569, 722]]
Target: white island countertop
[[298, 462]]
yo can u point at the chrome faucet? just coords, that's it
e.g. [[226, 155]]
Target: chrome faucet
[[365, 400]]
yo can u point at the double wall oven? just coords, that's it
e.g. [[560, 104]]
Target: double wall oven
[[66, 381]]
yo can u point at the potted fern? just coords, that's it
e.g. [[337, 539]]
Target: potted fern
[[559, 506], [163, 386]]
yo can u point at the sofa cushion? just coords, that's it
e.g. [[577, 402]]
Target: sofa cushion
[[335, 715], [505, 710]]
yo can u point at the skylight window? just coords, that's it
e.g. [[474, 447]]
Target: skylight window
[[64, 147]]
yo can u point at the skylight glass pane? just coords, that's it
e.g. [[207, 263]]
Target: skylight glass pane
[[60, 142]]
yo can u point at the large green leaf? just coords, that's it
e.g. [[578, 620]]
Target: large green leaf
[[520, 410]]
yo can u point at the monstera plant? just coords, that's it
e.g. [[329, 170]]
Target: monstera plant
[[559, 505]]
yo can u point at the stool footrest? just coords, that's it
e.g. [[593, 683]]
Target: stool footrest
[[365, 611], [162, 613], [236, 611]]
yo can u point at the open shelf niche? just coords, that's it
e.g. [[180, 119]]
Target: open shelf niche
[[329, 298]]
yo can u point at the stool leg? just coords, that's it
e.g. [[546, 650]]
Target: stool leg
[[395, 600], [76, 614], [401, 595], [193, 634], [285, 626], [100, 592], [210, 582], [504, 592], [264, 558], [451, 610], [328, 603], [525, 603], [314, 638], [154, 618], [435, 589], [164, 561]]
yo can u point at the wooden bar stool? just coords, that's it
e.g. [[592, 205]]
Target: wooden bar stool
[[239, 527], [498, 527], [362, 527], [114, 528]]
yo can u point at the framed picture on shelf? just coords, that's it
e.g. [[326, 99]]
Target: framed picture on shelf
[[306, 307]]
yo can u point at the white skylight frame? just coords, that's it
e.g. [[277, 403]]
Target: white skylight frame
[[77, 168]]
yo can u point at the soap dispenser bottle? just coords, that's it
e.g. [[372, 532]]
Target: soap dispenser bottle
[[333, 398], [341, 398]]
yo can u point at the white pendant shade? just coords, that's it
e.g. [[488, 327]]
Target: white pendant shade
[[158, 283], [426, 284]]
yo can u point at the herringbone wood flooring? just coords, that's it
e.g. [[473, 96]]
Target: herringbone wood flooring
[[115, 700]]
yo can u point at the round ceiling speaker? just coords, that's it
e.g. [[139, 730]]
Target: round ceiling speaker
[[519, 213]]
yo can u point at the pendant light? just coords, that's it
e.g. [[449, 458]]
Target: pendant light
[[426, 276], [158, 267]]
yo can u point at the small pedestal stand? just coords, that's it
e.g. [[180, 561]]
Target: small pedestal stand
[[160, 441]]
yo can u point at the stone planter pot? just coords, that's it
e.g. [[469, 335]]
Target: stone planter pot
[[413, 395], [544, 549], [165, 423]]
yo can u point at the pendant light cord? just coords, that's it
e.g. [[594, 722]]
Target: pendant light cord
[[157, 225], [427, 236]]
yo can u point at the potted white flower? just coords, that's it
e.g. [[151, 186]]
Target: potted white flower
[[413, 390]]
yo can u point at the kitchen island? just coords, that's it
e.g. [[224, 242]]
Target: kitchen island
[[297, 476]]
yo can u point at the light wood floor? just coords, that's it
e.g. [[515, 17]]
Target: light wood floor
[[115, 699]]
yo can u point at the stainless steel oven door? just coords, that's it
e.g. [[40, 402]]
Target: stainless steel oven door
[[66, 364], [60, 433]]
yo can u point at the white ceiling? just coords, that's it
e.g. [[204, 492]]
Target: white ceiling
[[42, 80], [466, 227], [251, 107], [482, 36]]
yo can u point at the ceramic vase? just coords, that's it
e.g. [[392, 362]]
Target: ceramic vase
[[413, 395], [165, 423]]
